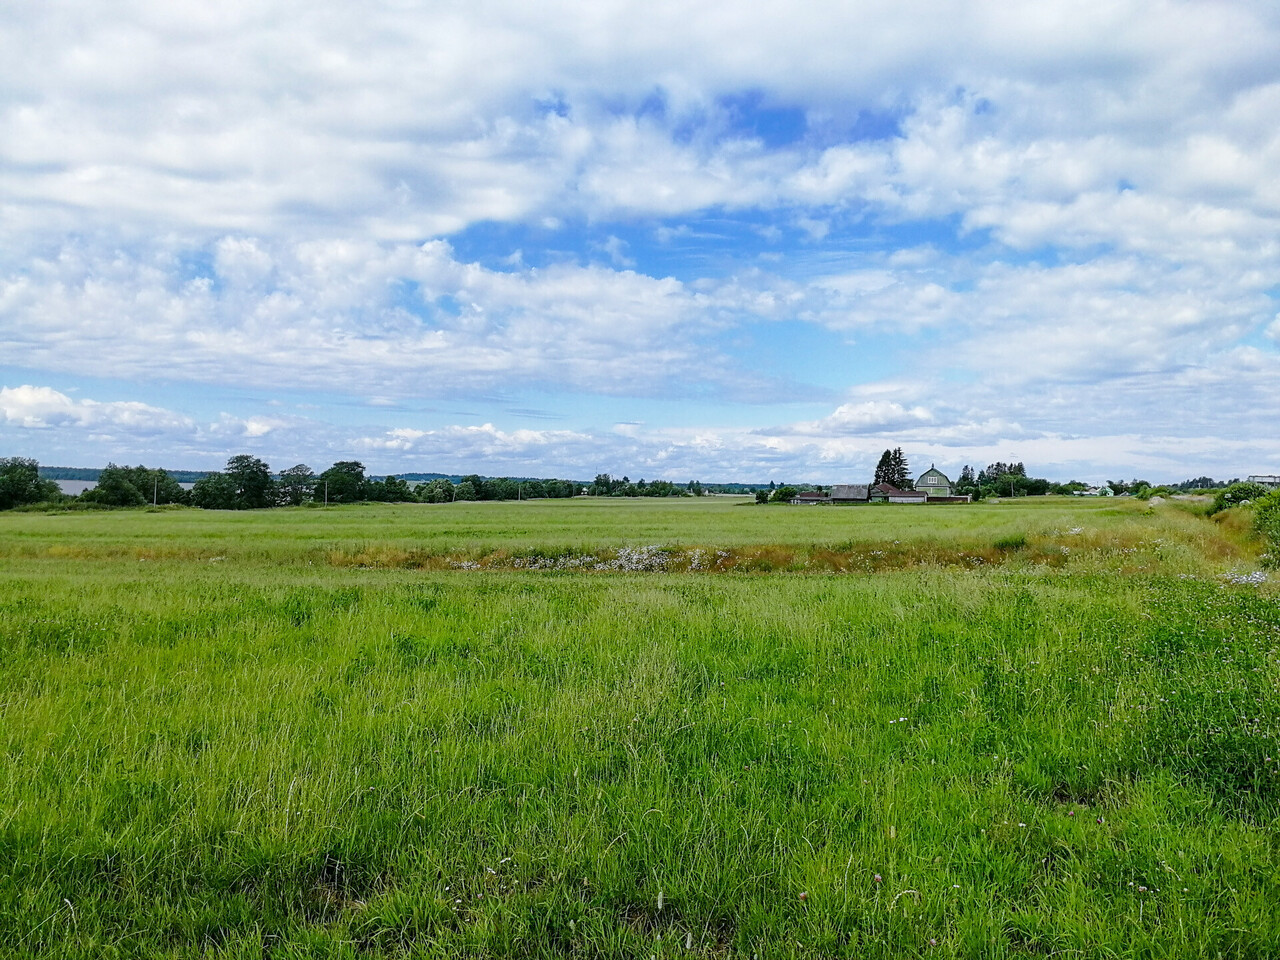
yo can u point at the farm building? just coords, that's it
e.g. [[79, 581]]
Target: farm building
[[884, 492], [849, 493], [810, 496], [934, 483]]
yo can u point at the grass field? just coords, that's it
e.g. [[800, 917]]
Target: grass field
[[1039, 728]]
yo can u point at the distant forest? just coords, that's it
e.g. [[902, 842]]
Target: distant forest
[[249, 483]]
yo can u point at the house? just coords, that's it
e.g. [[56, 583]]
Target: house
[[934, 483], [849, 493], [810, 496], [1266, 479], [1102, 491], [884, 492]]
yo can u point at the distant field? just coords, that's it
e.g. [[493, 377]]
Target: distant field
[[1038, 728], [582, 524]]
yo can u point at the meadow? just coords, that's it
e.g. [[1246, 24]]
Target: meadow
[[639, 729]]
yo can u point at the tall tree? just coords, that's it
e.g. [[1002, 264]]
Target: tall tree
[[214, 491], [346, 483], [20, 483], [156, 486], [296, 483], [884, 469], [397, 490], [252, 478], [439, 490], [899, 470], [116, 488]]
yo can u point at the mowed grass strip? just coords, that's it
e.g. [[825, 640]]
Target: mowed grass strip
[[257, 757]]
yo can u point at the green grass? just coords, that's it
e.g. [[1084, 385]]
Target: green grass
[[231, 736]]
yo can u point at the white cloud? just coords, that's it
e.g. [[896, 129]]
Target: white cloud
[[841, 447], [866, 417], [462, 445], [409, 320], [37, 408], [388, 123], [1067, 211]]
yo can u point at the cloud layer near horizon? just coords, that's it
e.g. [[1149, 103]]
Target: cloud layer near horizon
[[781, 237]]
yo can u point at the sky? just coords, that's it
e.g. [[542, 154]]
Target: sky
[[725, 241]]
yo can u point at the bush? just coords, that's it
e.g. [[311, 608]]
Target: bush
[[1014, 541], [1237, 494], [1266, 520]]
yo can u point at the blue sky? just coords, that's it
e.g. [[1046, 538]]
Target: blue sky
[[730, 242]]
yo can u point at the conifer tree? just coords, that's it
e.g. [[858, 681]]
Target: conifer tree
[[884, 469], [899, 471]]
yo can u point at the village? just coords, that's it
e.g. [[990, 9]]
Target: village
[[933, 486]]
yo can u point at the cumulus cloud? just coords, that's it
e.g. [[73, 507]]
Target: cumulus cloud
[[407, 320], [483, 443], [250, 127], [37, 408], [1038, 216]]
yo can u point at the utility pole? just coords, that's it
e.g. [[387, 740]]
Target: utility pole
[[326, 493], [155, 492]]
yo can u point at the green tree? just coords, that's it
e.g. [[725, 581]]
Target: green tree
[[884, 469], [215, 491], [397, 490], [296, 484], [899, 470], [783, 494], [501, 489], [20, 483], [115, 488], [156, 486], [345, 482], [762, 495], [439, 490], [466, 490], [252, 479]]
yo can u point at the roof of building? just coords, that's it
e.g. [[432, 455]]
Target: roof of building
[[933, 477], [889, 490], [849, 491]]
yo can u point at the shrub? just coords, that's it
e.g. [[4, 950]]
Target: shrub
[[1266, 520], [1237, 494]]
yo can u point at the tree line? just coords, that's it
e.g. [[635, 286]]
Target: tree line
[[605, 485], [247, 483]]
